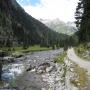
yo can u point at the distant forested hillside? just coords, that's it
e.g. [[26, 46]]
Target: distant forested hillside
[[17, 28]]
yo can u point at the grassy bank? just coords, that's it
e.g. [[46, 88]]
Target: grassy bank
[[83, 52], [80, 78], [20, 50], [60, 58]]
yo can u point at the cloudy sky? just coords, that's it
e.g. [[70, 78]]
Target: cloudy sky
[[50, 9]]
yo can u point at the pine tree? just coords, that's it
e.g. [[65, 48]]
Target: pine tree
[[83, 20], [79, 13]]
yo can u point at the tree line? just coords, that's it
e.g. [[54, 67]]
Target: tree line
[[83, 20]]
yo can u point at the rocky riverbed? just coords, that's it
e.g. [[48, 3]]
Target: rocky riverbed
[[37, 71]]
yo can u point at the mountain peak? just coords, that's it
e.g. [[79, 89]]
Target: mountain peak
[[60, 26]]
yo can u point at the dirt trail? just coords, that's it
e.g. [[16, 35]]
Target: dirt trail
[[82, 63]]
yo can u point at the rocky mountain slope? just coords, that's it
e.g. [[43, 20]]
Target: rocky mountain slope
[[59, 26], [19, 28]]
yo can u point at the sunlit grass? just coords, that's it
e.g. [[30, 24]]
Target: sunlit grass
[[81, 51], [19, 50], [81, 77]]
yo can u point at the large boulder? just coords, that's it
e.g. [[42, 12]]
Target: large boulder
[[43, 67], [8, 59]]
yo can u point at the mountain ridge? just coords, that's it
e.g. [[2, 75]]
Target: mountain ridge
[[60, 26]]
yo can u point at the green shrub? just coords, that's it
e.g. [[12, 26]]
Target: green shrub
[[60, 58]]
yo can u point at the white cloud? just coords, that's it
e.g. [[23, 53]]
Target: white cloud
[[51, 9]]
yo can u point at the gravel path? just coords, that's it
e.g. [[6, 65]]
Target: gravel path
[[82, 63]]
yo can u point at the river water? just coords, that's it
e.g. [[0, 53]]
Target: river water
[[37, 71]]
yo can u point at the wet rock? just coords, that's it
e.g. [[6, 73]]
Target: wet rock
[[42, 68], [18, 55], [45, 64], [29, 69], [9, 59], [51, 69], [33, 70]]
